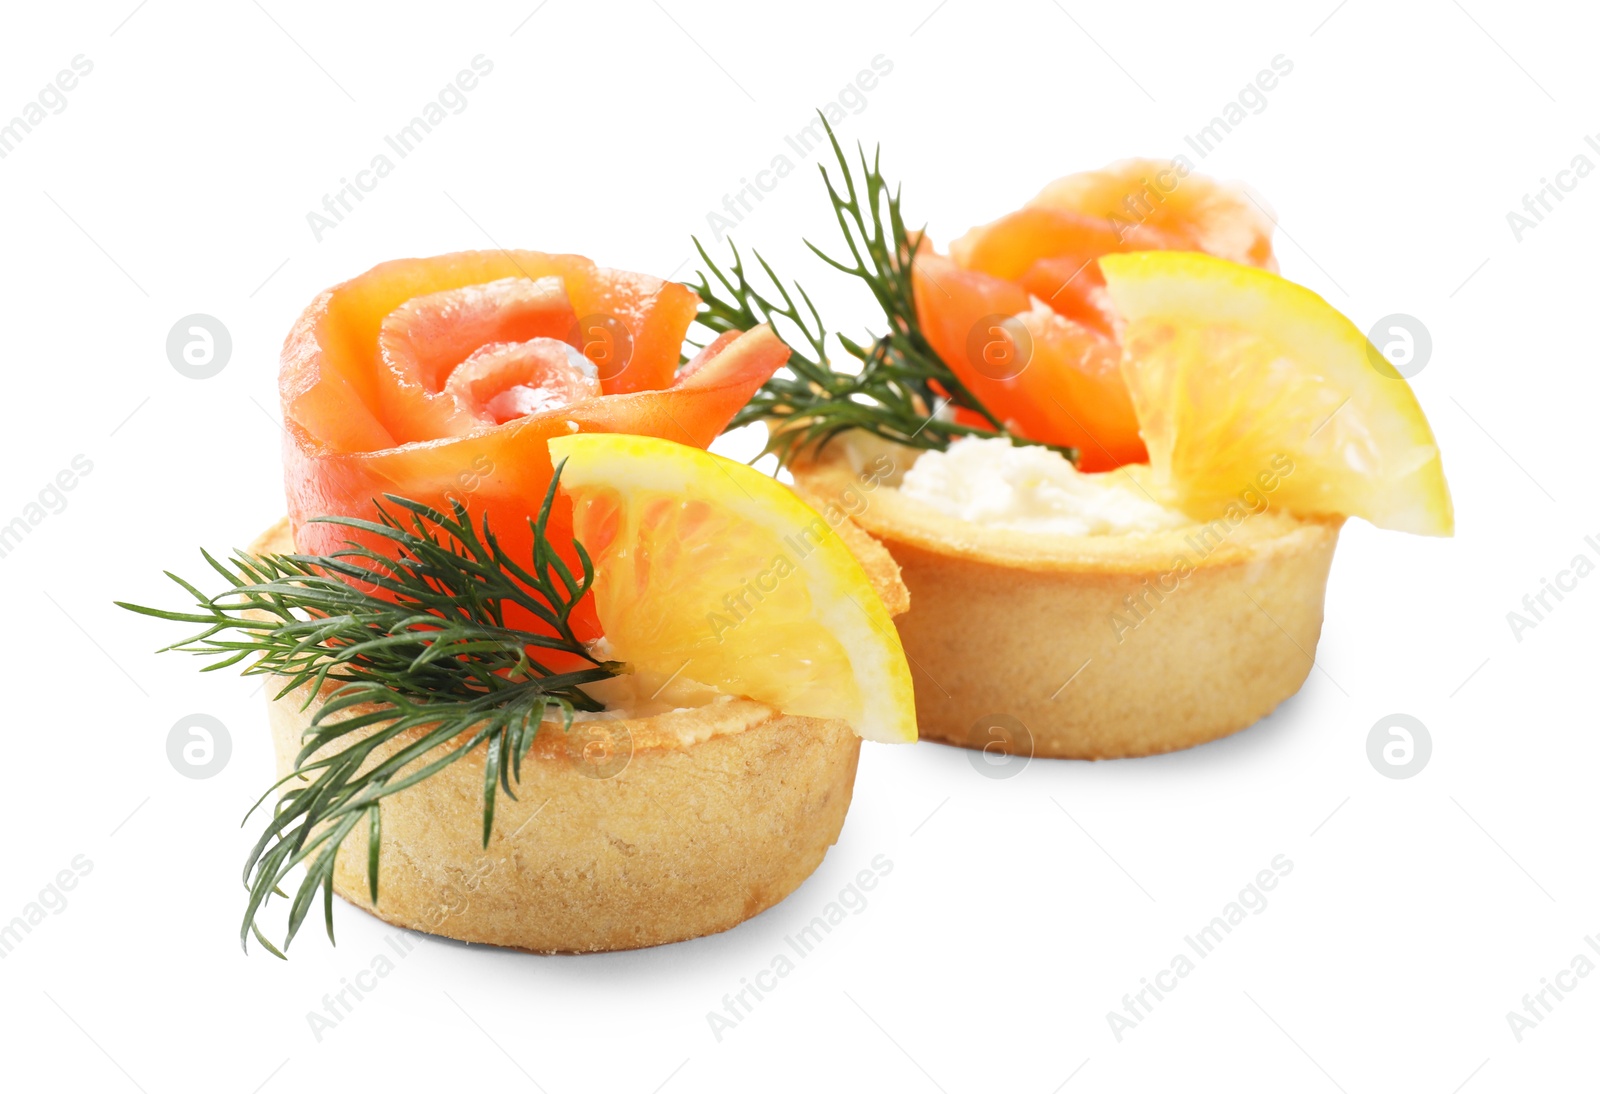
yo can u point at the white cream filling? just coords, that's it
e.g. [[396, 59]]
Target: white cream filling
[[992, 482]]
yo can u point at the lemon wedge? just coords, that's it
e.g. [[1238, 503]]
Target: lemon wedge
[[709, 570], [1242, 379]]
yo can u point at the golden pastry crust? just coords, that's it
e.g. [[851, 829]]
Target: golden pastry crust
[[681, 840], [1095, 647], [624, 832]]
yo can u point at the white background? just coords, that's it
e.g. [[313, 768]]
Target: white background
[[1020, 910]]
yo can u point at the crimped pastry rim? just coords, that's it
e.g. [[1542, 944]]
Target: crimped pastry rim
[[895, 518]]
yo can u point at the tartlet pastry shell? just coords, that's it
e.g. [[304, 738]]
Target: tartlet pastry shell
[[624, 833], [1025, 643]]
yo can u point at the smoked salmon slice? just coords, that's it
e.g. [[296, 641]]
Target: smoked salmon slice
[[1019, 309], [441, 379]]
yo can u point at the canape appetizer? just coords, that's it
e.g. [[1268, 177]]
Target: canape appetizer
[[1122, 450], [558, 677]]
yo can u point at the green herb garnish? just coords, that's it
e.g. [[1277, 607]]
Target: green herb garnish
[[427, 661], [901, 385]]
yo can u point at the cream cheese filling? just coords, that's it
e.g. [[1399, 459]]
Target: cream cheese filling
[[1027, 488]]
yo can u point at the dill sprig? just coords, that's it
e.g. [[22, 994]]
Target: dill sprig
[[900, 386], [425, 660]]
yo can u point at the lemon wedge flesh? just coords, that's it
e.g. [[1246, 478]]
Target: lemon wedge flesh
[[709, 570], [1237, 374]]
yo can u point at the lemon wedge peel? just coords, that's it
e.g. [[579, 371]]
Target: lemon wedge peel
[[869, 686], [1231, 367]]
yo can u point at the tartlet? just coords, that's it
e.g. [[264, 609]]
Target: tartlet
[[1082, 653], [1127, 321], [624, 833], [543, 672]]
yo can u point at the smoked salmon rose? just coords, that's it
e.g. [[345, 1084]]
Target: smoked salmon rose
[[441, 379], [1019, 310]]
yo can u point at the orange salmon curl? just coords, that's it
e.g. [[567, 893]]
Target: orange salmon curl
[[441, 380], [1019, 310]]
